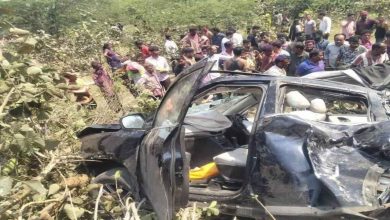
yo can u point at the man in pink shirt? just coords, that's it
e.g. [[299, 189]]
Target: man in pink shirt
[[348, 27], [365, 39]]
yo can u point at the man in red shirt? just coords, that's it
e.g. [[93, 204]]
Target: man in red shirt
[[144, 50]]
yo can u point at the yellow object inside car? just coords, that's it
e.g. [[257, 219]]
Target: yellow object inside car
[[204, 172]]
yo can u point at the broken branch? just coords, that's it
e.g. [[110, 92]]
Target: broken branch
[[6, 99]]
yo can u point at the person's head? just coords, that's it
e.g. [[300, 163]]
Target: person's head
[[309, 45], [354, 42], [296, 22], [255, 29], [237, 51], [318, 36], [308, 16], [96, 65], [149, 67], [378, 49], [321, 14], [139, 43], [229, 34], [188, 52], [316, 55], [265, 36], [282, 61], [326, 36], [350, 16], [300, 39], [245, 54], [228, 46], [232, 29], [363, 15], [268, 50], [366, 35], [181, 61], [339, 39], [213, 50], [381, 19], [298, 48], [154, 51], [107, 46], [282, 37], [246, 44], [168, 37], [277, 45], [215, 30], [205, 49], [192, 31]]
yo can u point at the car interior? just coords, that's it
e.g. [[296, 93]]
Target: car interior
[[324, 105], [217, 129]]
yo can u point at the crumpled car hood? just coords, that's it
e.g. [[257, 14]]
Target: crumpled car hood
[[347, 159]]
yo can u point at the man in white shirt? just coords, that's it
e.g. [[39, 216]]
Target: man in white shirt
[[228, 37], [236, 39], [279, 69], [160, 64], [332, 51], [325, 23], [170, 46]]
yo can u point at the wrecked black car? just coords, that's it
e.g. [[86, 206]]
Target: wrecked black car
[[307, 148]]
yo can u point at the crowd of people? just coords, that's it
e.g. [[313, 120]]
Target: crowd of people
[[304, 50]]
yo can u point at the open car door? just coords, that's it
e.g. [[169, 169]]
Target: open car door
[[164, 168]]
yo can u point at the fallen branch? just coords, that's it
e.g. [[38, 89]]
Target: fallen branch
[[69, 194], [193, 215], [134, 211], [6, 99], [95, 214], [38, 202], [13, 202], [266, 210], [53, 162]]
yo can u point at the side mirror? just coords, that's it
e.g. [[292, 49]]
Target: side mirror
[[135, 121]]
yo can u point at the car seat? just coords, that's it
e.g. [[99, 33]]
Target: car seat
[[299, 104], [231, 164]]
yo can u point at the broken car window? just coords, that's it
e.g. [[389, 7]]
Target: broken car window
[[172, 105], [324, 105]]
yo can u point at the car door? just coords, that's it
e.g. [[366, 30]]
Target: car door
[[163, 165]]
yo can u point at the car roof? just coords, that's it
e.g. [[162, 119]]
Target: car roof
[[242, 77]]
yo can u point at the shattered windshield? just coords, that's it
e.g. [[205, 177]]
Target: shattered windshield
[[217, 103]]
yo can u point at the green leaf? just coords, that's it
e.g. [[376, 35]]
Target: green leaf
[[53, 189], [34, 71], [31, 41], [5, 185], [213, 204], [20, 140], [3, 87], [73, 212], [26, 128], [214, 211], [117, 174], [39, 141], [18, 31], [36, 186]]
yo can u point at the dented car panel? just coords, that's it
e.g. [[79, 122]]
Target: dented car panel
[[320, 163], [337, 169]]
